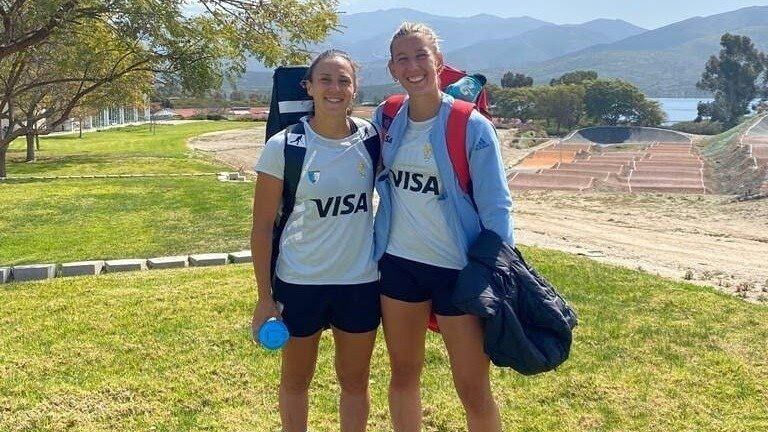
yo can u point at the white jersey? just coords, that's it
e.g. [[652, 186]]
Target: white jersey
[[328, 238], [419, 229]]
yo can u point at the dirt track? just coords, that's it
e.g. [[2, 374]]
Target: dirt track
[[704, 239]]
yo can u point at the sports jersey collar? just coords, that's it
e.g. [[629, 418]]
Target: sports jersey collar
[[341, 142]]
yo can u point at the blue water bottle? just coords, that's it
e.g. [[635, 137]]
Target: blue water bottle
[[467, 88], [273, 334]]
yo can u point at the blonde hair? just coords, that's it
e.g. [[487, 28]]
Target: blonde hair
[[416, 29]]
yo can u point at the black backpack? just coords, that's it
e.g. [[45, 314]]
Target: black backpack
[[290, 102]]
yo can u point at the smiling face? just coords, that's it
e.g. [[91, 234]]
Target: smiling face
[[332, 86], [416, 64]]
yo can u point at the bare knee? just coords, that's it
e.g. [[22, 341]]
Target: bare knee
[[296, 384], [476, 396], [406, 375], [355, 384]]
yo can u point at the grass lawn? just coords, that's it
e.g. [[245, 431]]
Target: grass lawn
[[170, 351], [128, 150], [71, 220]]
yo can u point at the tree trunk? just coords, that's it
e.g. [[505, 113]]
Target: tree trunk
[[37, 141], [3, 150], [30, 147], [81, 128]]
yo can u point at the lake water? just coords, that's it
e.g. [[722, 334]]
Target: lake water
[[680, 109]]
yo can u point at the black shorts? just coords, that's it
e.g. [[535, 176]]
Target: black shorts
[[415, 282], [308, 309]]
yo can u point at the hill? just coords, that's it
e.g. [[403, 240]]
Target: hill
[[540, 44], [472, 43], [663, 62], [366, 35]]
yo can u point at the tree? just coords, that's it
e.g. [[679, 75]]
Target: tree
[[703, 111], [732, 77], [41, 89], [764, 88], [615, 101], [516, 103], [516, 80], [28, 23], [648, 113], [563, 104], [610, 101], [574, 77], [46, 49]]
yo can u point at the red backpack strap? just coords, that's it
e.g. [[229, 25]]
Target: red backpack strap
[[456, 140], [389, 110]]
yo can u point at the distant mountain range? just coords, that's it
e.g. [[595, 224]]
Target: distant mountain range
[[664, 62], [541, 44]]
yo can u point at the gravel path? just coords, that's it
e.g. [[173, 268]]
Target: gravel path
[[704, 239]]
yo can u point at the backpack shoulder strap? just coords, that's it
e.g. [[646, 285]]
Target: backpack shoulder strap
[[371, 140], [391, 106], [294, 150], [456, 140]]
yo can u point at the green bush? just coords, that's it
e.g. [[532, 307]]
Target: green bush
[[699, 128]]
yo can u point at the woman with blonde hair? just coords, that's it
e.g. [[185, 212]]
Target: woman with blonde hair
[[424, 227]]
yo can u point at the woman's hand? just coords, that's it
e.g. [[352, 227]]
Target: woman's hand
[[265, 309]]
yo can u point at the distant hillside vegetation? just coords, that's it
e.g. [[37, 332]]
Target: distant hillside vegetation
[[472, 43], [366, 36], [730, 167], [540, 44], [664, 62]]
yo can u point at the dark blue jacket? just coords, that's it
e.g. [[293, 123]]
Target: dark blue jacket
[[527, 325]]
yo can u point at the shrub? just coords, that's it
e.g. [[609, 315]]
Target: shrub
[[705, 127]]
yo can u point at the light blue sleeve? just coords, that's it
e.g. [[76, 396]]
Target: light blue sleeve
[[376, 117], [272, 160], [489, 181]]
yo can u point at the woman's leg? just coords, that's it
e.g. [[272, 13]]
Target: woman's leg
[[405, 327], [298, 367], [463, 336], [353, 366]]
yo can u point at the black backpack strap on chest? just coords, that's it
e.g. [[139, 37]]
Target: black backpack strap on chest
[[371, 140], [294, 150]]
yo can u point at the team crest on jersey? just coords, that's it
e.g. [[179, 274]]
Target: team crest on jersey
[[427, 153], [362, 169], [387, 138], [313, 176]]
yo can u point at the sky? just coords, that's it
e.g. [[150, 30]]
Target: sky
[[649, 14]]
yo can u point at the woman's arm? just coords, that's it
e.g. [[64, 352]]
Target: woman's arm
[[267, 197], [489, 180]]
